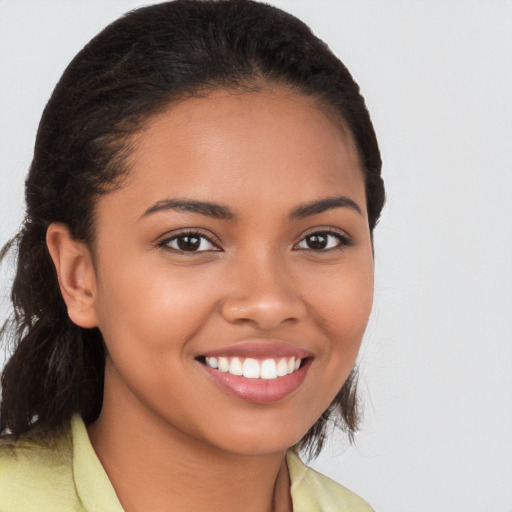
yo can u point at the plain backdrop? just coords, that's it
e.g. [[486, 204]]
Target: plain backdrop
[[436, 364]]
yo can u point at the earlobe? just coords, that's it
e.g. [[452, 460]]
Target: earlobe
[[76, 275]]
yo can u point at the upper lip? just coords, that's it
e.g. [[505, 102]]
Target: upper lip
[[259, 349]]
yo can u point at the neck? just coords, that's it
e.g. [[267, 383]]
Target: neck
[[150, 464]]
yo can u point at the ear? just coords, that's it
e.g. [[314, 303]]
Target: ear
[[76, 275]]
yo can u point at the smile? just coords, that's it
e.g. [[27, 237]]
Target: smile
[[258, 371], [251, 368]]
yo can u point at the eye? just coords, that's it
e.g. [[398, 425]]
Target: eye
[[190, 241], [323, 241]]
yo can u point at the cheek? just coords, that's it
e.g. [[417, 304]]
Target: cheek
[[150, 307], [341, 308]]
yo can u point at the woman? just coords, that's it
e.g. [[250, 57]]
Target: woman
[[195, 271]]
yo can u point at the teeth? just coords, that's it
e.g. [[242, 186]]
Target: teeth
[[268, 369], [253, 369], [282, 367], [235, 368], [223, 364]]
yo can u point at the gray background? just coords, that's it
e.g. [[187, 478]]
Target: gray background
[[436, 363]]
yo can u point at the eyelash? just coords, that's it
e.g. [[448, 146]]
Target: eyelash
[[197, 234], [342, 241]]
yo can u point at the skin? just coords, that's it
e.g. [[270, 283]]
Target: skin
[[165, 425]]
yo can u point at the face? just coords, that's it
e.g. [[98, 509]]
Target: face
[[233, 270]]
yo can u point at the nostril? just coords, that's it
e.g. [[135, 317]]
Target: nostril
[[263, 312]]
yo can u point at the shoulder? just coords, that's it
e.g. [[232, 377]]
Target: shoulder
[[313, 492], [36, 474]]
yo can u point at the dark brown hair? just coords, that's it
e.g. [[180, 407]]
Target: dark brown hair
[[131, 70]]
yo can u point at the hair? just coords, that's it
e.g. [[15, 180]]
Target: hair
[[133, 69]]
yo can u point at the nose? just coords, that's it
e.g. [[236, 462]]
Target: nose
[[261, 293]]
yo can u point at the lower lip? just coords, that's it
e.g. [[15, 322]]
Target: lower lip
[[260, 391]]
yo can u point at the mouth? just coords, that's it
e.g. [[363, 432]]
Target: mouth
[[261, 373], [251, 368]]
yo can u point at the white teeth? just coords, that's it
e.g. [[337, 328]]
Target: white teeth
[[212, 361], [282, 367], [235, 367], [253, 369], [268, 369], [223, 364]]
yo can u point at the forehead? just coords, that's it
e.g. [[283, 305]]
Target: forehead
[[244, 146]]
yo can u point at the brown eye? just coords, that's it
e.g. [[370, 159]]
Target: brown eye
[[316, 242], [322, 241], [189, 242]]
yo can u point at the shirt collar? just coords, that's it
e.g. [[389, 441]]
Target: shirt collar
[[91, 481]]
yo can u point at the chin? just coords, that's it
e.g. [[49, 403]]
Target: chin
[[260, 439]]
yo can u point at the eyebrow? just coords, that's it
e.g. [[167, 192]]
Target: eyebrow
[[216, 211], [323, 205]]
